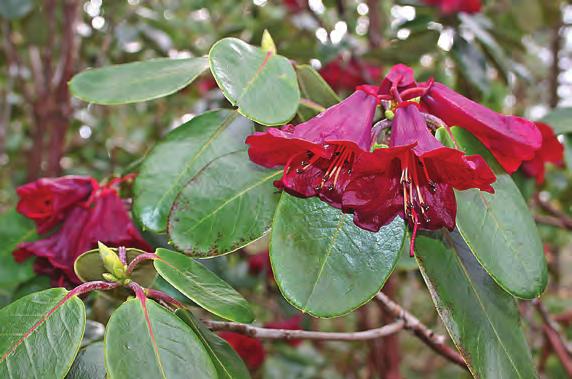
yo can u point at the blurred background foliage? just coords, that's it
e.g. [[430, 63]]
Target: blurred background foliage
[[515, 57]]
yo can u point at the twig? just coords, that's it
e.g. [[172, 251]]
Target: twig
[[553, 325], [285, 334], [412, 323], [374, 33], [552, 221], [564, 220], [559, 348]]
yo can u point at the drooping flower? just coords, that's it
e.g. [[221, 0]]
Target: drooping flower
[[318, 154], [292, 323], [413, 178], [551, 151], [47, 201], [346, 75], [249, 349], [510, 139], [101, 217], [259, 263], [448, 7]]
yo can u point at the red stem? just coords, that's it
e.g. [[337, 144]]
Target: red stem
[[138, 259]]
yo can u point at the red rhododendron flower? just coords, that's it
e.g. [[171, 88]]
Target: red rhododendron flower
[[510, 139], [48, 200], [413, 178], [292, 323], [551, 151], [456, 6], [103, 217], [260, 262], [318, 154], [342, 75], [249, 349], [295, 6]]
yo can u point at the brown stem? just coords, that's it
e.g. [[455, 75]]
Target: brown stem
[[389, 351], [555, 47], [374, 32], [434, 341], [286, 334]]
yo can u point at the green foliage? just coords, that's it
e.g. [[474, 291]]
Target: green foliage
[[324, 264], [499, 228], [202, 286], [260, 83], [482, 319]]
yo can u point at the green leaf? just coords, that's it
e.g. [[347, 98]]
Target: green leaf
[[89, 267], [314, 89], [15, 229], [89, 363], [262, 84], [482, 319], [137, 81], [560, 119], [179, 157], [324, 264], [229, 204], [15, 9], [144, 340], [202, 286], [500, 229], [228, 363], [40, 336]]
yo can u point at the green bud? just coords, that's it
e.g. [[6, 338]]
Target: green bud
[[110, 278], [111, 261], [389, 115], [267, 43]]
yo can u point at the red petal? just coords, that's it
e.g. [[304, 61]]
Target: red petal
[[510, 139]]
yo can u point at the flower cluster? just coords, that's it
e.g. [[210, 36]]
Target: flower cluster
[[345, 75], [335, 156], [87, 213]]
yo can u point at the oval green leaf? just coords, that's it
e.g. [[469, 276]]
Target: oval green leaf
[[482, 319], [324, 264], [15, 9], [179, 157], [228, 363], [40, 336], [202, 286], [89, 363], [229, 204], [137, 81], [89, 267], [262, 84], [499, 228], [144, 340], [314, 89]]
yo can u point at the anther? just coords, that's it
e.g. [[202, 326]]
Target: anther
[[299, 171]]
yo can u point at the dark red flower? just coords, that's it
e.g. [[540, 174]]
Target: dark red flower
[[413, 178], [258, 263], [318, 154], [103, 217], [206, 84], [347, 75], [48, 200], [292, 323], [249, 349], [295, 6], [448, 7], [510, 139], [551, 151]]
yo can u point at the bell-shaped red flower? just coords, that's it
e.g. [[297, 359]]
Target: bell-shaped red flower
[[510, 139], [249, 349], [551, 151], [413, 178], [318, 154], [347, 75], [448, 7], [103, 217], [48, 200]]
